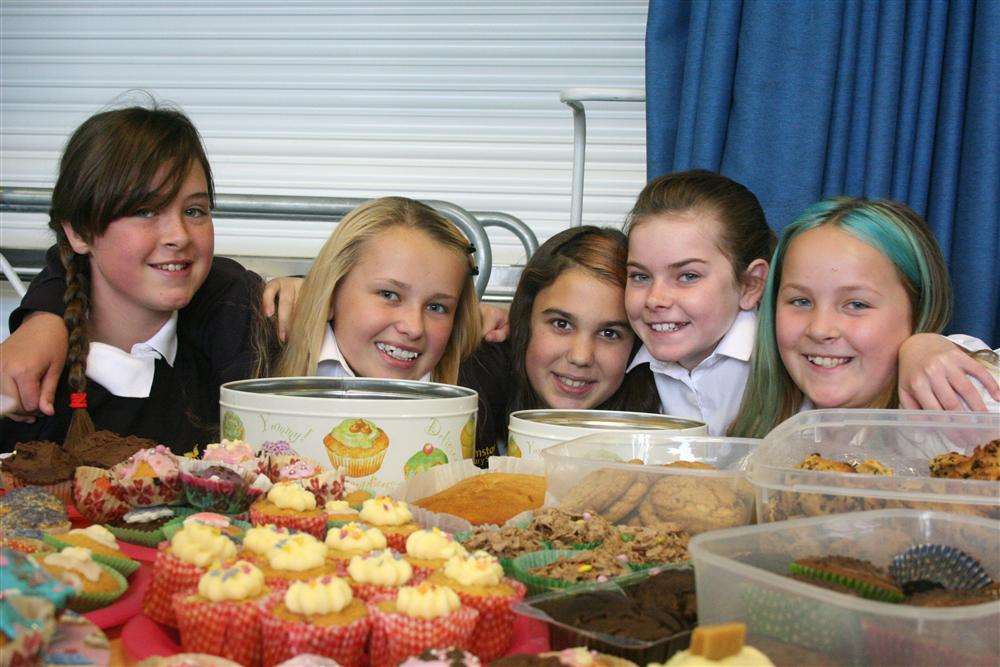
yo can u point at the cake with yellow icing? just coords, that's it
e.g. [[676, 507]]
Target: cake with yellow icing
[[393, 517], [340, 510], [298, 557], [94, 585], [324, 601], [290, 505], [430, 549], [353, 539], [378, 573]]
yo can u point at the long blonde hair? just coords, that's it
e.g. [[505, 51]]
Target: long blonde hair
[[341, 253]]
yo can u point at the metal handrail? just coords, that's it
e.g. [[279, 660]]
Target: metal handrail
[[282, 207], [574, 99], [11, 275], [515, 226]]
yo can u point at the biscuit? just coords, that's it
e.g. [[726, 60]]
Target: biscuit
[[697, 504], [597, 490], [628, 501], [818, 463], [693, 465], [952, 465]]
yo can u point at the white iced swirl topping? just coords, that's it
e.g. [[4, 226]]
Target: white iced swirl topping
[[97, 533], [427, 601], [201, 545], [385, 511], [324, 595], [355, 538], [239, 581], [477, 569], [291, 496], [337, 507], [146, 514], [297, 553], [260, 539], [76, 562], [381, 568], [433, 544]]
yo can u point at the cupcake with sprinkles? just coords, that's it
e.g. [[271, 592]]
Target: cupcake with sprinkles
[[378, 573], [321, 617], [428, 550], [149, 477], [179, 564], [340, 511], [418, 618], [102, 544], [298, 557], [479, 582], [350, 540], [392, 517], [289, 505], [258, 540], [223, 616]]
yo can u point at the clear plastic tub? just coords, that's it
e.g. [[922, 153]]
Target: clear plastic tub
[[594, 473], [741, 572], [904, 440], [672, 595]]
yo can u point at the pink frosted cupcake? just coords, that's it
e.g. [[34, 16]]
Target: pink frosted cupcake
[[321, 617], [479, 582], [223, 616], [392, 517], [428, 550], [149, 477], [231, 452], [378, 573], [418, 618], [179, 565], [289, 505], [350, 540]]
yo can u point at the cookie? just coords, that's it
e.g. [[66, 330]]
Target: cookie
[[598, 489], [628, 501], [818, 463], [951, 465], [697, 504], [693, 465]]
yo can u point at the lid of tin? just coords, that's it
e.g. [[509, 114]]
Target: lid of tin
[[354, 388], [605, 419]]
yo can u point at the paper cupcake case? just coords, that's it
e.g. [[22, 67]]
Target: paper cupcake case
[[396, 636], [97, 496], [61, 490], [84, 602], [369, 592], [24, 648], [495, 626], [536, 584], [283, 640], [146, 538], [171, 575], [216, 495], [174, 525], [151, 491], [125, 565], [314, 525], [230, 630]]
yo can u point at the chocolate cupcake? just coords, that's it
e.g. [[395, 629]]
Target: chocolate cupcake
[[103, 449], [41, 463]]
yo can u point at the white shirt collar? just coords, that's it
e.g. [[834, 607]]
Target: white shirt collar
[[331, 361], [737, 343], [130, 374]]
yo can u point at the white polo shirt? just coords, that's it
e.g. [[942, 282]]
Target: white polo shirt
[[712, 391], [130, 374], [331, 360]]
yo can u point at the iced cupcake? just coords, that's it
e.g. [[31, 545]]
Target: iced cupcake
[[428, 550], [289, 505], [258, 540], [378, 573], [340, 510], [231, 528], [95, 585], [218, 487], [179, 565], [143, 525], [321, 617], [392, 517], [479, 582], [223, 617], [350, 540], [231, 452], [149, 477], [416, 619], [298, 557], [41, 463], [358, 446], [102, 545]]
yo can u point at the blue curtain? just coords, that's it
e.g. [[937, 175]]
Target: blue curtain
[[805, 99]]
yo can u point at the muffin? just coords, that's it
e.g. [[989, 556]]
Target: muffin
[[350, 540], [298, 557], [340, 510], [289, 505], [358, 446], [479, 582], [102, 545], [321, 617], [143, 525], [416, 619], [223, 617], [231, 528], [428, 550], [178, 567], [41, 463], [104, 449], [392, 517], [149, 477], [378, 573], [95, 585], [258, 540]]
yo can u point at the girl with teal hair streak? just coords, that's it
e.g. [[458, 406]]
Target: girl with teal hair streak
[[852, 280]]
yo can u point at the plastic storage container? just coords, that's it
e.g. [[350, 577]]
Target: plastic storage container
[[595, 597], [594, 473], [904, 440], [530, 431], [741, 572]]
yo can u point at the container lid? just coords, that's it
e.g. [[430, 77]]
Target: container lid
[[605, 419], [344, 387]]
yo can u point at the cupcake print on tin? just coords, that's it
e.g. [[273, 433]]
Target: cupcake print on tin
[[358, 446]]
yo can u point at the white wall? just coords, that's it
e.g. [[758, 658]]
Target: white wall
[[430, 99]]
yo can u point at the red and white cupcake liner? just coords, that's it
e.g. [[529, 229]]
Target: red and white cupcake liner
[[150, 491], [228, 629], [97, 496], [171, 575], [314, 525], [369, 592], [286, 639], [397, 636], [494, 629], [395, 541]]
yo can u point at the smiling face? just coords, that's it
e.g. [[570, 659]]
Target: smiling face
[[580, 341], [682, 295], [149, 264], [842, 315], [394, 310]]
